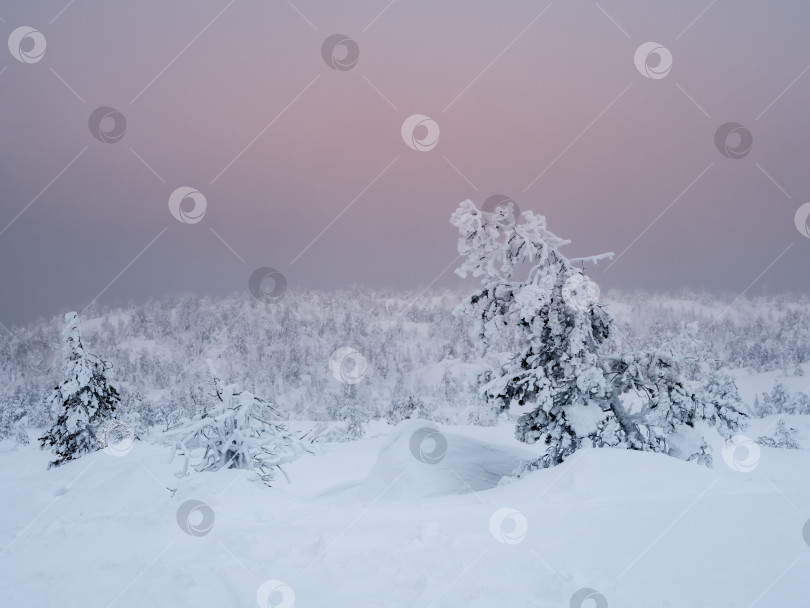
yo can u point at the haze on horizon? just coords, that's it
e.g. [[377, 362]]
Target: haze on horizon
[[303, 167]]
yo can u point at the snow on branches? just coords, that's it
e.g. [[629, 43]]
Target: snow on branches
[[568, 391], [241, 431], [82, 402]]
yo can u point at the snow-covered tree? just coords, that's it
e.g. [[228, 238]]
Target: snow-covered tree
[[405, 405], [662, 409], [780, 401], [349, 409], [568, 392], [82, 402], [13, 419], [241, 431], [784, 437]]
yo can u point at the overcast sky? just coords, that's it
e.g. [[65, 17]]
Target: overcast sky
[[303, 167]]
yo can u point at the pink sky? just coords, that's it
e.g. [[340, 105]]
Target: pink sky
[[235, 100]]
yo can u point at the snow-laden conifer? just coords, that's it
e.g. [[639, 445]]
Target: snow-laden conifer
[[82, 402], [568, 391]]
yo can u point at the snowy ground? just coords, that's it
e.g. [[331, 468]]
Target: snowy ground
[[368, 524]]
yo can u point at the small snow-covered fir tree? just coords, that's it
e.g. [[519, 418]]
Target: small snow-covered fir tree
[[82, 402], [571, 394], [13, 419], [784, 437], [780, 401], [241, 431], [405, 405], [351, 411]]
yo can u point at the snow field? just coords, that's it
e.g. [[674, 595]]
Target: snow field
[[368, 523]]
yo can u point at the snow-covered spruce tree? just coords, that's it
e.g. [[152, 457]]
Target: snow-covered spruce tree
[[82, 402], [241, 431], [570, 393]]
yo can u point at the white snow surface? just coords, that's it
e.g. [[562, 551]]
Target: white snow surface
[[365, 524]]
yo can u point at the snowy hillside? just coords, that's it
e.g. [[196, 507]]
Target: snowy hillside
[[366, 524]]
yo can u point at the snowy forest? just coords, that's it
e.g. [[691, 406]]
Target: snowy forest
[[415, 350], [412, 354]]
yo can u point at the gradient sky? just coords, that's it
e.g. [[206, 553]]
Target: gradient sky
[[515, 95]]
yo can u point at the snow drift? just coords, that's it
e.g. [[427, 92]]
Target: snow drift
[[420, 460]]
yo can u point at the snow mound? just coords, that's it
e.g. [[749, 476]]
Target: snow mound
[[420, 460]]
